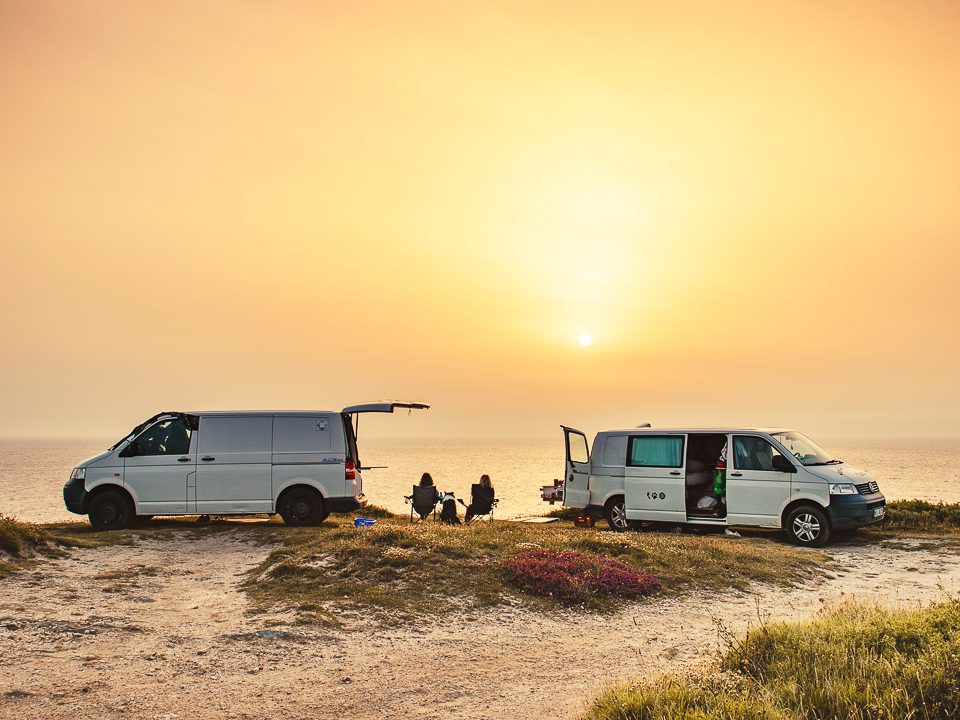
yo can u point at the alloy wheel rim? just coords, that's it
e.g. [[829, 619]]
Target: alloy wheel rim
[[806, 527], [619, 516]]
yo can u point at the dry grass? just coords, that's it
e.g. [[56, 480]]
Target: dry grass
[[404, 570], [857, 663]]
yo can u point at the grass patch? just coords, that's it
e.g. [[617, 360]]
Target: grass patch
[[857, 663], [21, 543], [429, 568]]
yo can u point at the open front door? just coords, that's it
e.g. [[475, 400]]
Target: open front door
[[576, 491]]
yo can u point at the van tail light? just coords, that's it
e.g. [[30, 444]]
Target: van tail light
[[350, 470]]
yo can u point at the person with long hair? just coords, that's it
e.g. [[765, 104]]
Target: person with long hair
[[482, 500], [424, 502]]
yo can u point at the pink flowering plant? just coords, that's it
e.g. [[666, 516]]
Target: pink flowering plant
[[576, 577]]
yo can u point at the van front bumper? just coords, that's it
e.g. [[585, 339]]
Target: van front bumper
[[853, 511], [75, 496], [345, 504]]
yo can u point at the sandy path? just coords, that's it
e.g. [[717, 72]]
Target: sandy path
[[178, 645]]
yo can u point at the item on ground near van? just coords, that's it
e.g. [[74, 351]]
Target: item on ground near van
[[731, 533], [301, 465], [539, 520], [759, 477], [583, 521], [364, 522]]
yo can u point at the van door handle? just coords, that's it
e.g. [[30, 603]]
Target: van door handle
[[675, 472], [183, 459], [736, 474], [207, 458]]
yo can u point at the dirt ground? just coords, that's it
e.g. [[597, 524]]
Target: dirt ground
[[77, 640]]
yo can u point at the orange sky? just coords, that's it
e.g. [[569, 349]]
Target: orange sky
[[753, 207]]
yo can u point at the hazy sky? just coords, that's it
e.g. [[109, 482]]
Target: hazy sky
[[753, 208]]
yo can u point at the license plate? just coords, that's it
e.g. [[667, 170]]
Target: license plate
[[879, 512]]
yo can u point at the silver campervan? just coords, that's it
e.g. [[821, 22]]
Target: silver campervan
[[302, 465], [716, 477]]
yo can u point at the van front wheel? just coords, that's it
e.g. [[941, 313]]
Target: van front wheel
[[302, 506], [808, 526], [110, 510], [616, 513]]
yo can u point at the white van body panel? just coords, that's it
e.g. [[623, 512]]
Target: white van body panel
[[311, 450], [234, 464], [656, 493]]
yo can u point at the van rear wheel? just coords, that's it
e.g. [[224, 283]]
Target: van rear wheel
[[808, 526], [302, 506], [110, 510], [616, 513]]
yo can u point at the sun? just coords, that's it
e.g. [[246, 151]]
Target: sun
[[586, 339]]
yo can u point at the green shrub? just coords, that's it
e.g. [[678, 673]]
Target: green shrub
[[922, 515], [674, 699]]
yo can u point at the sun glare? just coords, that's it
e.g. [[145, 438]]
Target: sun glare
[[586, 339]]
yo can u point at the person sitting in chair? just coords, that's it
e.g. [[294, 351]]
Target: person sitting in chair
[[424, 497], [482, 499]]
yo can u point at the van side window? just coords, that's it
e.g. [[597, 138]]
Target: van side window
[[665, 451], [170, 437], [753, 453], [615, 451]]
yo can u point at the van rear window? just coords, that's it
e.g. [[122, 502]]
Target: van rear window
[[665, 451]]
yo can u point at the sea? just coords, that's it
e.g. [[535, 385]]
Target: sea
[[33, 471]]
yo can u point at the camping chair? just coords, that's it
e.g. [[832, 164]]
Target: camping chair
[[482, 501], [423, 501]]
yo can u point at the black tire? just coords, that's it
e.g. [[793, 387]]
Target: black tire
[[616, 514], [808, 526], [111, 510], [302, 506]]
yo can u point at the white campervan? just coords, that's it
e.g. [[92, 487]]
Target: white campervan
[[302, 465], [719, 477]]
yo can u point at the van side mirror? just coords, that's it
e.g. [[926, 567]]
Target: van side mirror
[[781, 464]]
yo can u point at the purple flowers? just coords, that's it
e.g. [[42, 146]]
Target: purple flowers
[[576, 577]]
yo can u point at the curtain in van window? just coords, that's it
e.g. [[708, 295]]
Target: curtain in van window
[[656, 452]]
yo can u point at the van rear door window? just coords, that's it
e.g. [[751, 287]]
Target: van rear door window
[[656, 451]]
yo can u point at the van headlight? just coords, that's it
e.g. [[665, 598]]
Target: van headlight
[[81, 473], [843, 489]]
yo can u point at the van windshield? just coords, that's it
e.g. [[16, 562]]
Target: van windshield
[[130, 435], [804, 449]]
